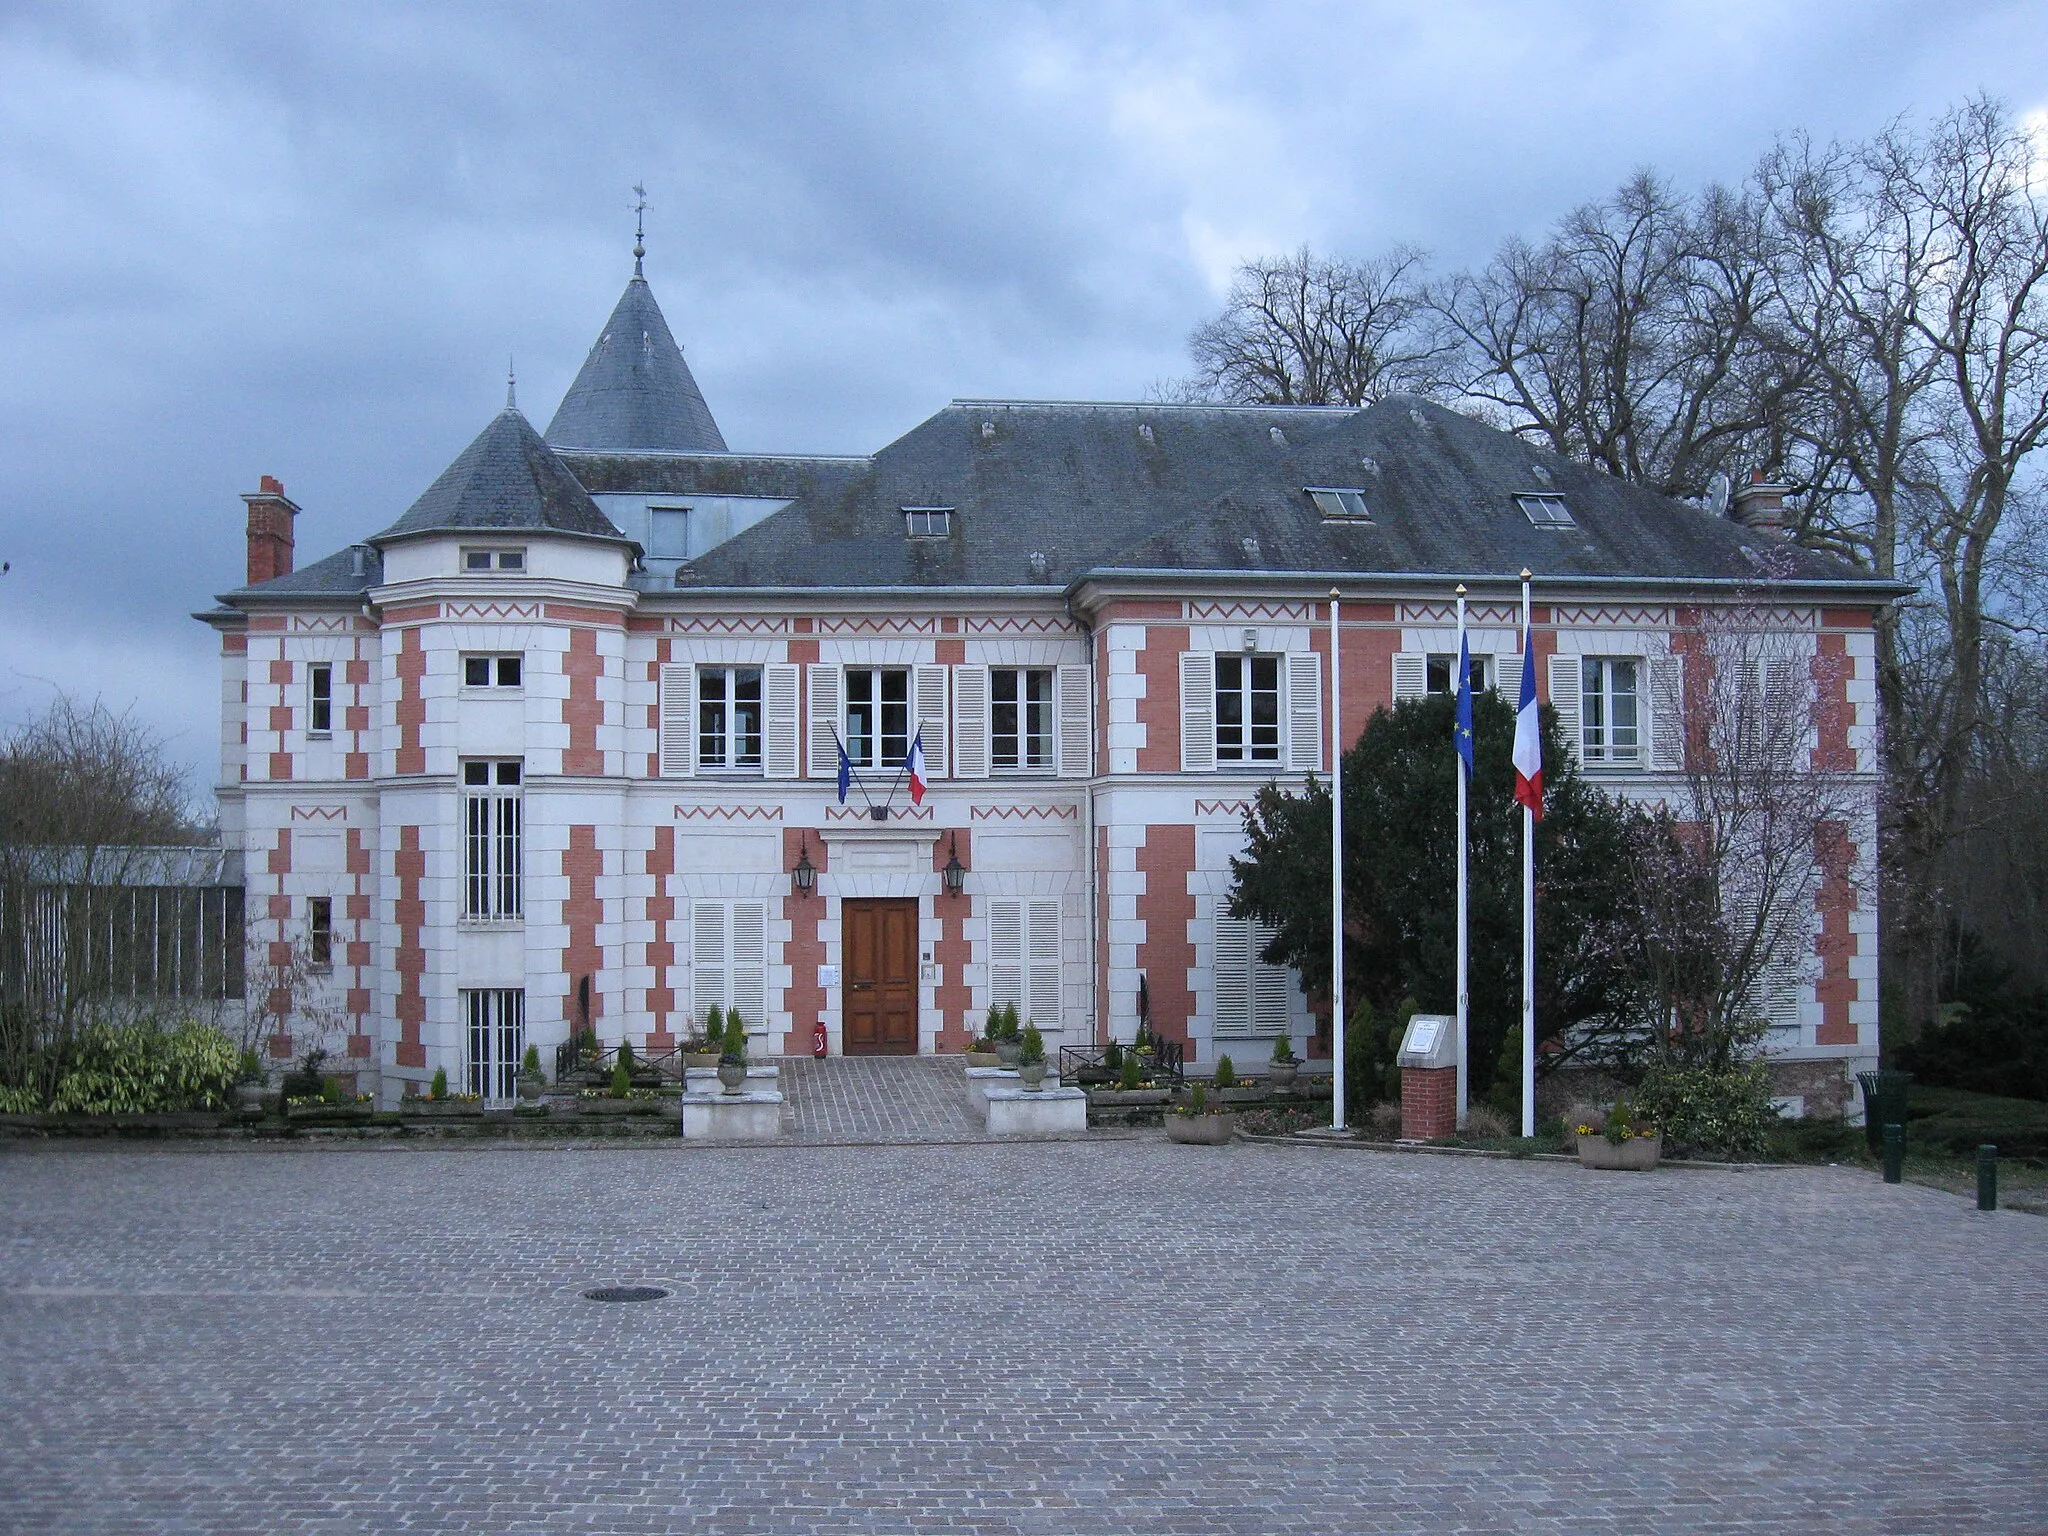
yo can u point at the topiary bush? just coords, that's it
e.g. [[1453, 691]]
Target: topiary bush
[[438, 1089], [1226, 1073], [1032, 1051], [733, 1047], [529, 1065], [625, 1057], [1133, 1075], [622, 1081], [1283, 1050]]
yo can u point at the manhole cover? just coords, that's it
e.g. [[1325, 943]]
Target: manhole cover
[[625, 1293]]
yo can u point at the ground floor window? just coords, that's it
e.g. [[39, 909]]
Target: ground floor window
[[729, 959], [1251, 996], [497, 1041], [1024, 960]]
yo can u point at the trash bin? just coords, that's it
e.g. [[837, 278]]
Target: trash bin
[[1884, 1103]]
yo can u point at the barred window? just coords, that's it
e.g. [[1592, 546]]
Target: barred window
[[493, 826]]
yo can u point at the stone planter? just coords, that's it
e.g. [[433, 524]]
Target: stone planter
[[439, 1109], [1031, 1074], [531, 1087], [607, 1108], [1201, 1130], [330, 1114], [1280, 1075], [1008, 1052], [984, 1059], [1638, 1154], [252, 1098], [732, 1076], [703, 1060]]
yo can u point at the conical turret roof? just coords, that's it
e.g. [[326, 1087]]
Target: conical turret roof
[[634, 393], [507, 479]]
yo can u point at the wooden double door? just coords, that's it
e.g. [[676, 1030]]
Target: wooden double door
[[878, 976]]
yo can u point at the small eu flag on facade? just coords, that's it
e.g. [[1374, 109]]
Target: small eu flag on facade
[[1464, 733], [845, 772]]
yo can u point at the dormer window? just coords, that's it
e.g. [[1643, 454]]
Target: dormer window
[[1340, 506], [668, 532], [479, 560], [1546, 509], [927, 522]]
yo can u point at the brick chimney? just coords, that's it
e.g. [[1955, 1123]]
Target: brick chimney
[[270, 530], [1761, 503]]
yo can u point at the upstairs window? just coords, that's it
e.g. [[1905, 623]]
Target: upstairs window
[[1247, 708], [1340, 506], [1546, 509], [1020, 718], [320, 698], [927, 522], [668, 532], [491, 671], [476, 560], [1440, 672], [877, 716], [1610, 710], [320, 932], [493, 823], [729, 718]]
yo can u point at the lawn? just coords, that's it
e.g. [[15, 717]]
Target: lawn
[[1944, 1128]]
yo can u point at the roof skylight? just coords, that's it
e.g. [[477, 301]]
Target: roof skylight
[[1546, 509], [927, 522], [1340, 506]]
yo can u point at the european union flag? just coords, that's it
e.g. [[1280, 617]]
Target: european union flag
[[1464, 732], [845, 772]]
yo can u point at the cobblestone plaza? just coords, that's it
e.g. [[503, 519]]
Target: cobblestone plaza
[[1085, 1336]]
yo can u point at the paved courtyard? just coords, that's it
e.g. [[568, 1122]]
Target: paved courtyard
[[1069, 1337]]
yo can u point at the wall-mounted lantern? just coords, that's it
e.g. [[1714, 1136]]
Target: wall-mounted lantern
[[955, 873], [803, 879]]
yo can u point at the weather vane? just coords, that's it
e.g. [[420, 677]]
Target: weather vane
[[639, 227]]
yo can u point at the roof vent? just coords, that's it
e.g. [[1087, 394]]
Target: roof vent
[[356, 560], [1279, 437], [1368, 463], [1145, 433], [1250, 545], [988, 431], [1417, 417], [1039, 565], [1542, 474]]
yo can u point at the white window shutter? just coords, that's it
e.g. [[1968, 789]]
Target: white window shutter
[[970, 722], [1270, 986], [1564, 698], [1667, 713], [1411, 675], [1782, 986], [1305, 711], [1197, 711], [928, 692], [778, 722], [1006, 954], [1042, 959], [677, 734], [707, 957], [1071, 686], [826, 684], [1232, 973], [749, 962]]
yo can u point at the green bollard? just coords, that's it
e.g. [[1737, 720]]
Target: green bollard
[[1987, 1178], [1894, 1153]]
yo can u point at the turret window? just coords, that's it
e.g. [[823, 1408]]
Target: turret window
[[479, 560]]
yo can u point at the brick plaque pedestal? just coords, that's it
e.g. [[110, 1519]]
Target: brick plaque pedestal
[[1429, 1102]]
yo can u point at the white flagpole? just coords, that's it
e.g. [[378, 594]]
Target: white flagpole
[[1336, 872], [1528, 925], [1464, 994]]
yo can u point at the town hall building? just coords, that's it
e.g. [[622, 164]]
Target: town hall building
[[560, 747]]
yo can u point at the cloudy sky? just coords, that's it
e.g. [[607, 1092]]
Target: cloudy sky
[[303, 239]]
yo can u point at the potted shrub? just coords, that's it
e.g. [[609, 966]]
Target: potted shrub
[[1197, 1122], [532, 1082], [1226, 1073], [982, 1052], [1031, 1060], [1131, 1074], [732, 1057], [252, 1088], [1009, 1043], [1280, 1071], [1624, 1140], [702, 1048]]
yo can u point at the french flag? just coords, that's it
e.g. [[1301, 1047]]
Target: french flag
[[1528, 739], [914, 763]]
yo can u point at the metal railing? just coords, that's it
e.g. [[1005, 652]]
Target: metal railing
[[1081, 1065], [570, 1062]]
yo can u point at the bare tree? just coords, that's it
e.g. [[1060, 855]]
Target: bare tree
[[1307, 330]]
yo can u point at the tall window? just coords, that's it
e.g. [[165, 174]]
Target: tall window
[[1251, 995], [320, 698], [320, 931], [497, 1041], [493, 822], [1247, 708], [1024, 959], [1610, 713], [1441, 672], [729, 718], [1020, 717], [877, 715]]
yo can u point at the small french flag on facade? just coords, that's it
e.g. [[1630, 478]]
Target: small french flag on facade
[[1528, 739], [914, 763]]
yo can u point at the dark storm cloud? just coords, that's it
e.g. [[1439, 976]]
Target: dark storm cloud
[[301, 240]]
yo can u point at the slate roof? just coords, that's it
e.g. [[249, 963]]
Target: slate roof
[[634, 392], [788, 476], [1072, 482], [1177, 490], [506, 480], [345, 573]]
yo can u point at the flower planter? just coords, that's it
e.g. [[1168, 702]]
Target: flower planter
[[438, 1109], [1031, 1075], [700, 1059], [732, 1076], [1638, 1154], [1008, 1052], [1201, 1130], [531, 1088], [609, 1108], [1280, 1075], [984, 1059], [252, 1098], [328, 1114]]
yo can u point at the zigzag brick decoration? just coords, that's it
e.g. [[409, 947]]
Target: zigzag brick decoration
[[728, 813], [1024, 813]]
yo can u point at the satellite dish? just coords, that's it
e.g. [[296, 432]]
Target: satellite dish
[[1718, 490]]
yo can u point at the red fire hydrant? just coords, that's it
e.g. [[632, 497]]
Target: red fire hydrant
[[818, 1038]]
